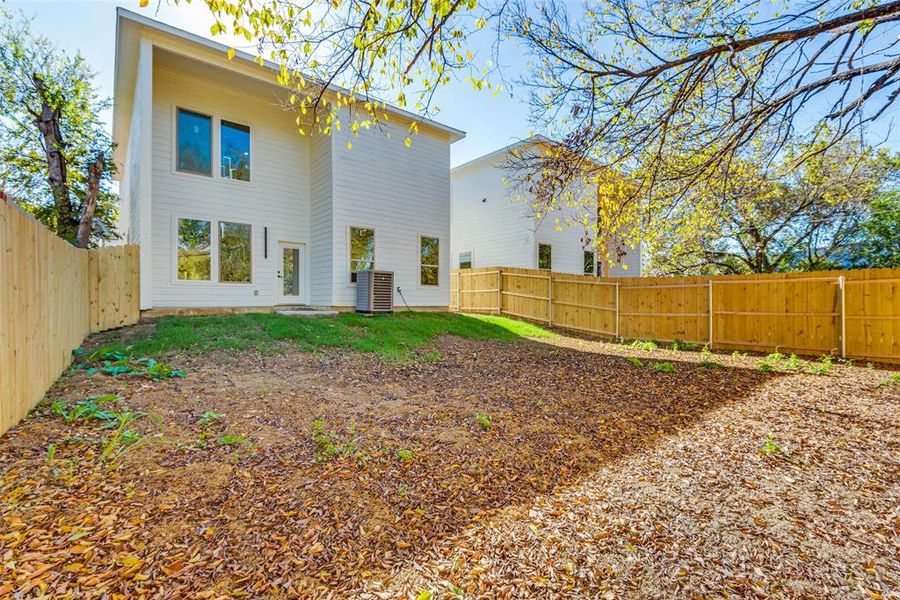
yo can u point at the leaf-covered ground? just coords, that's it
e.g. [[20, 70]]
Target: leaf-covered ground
[[537, 468]]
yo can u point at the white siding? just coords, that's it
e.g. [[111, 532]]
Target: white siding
[[500, 231], [399, 192], [321, 262], [277, 196]]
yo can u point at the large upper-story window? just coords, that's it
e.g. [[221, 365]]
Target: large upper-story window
[[235, 265], [429, 259], [194, 141], [362, 250], [545, 257], [235, 144], [194, 250]]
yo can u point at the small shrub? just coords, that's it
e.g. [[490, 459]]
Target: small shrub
[[711, 364], [210, 417], [766, 367], [635, 361], [792, 363], [664, 367], [738, 354], [645, 345], [329, 444], [678, 345], [770, 446], [230, 439], [483, 421], [406, 455]]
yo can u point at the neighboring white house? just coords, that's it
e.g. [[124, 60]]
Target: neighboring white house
[[492, 228], [232, 207]]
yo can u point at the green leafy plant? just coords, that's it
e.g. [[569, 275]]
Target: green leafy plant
[[710, 364], [823, 367], [892, 380], [233, 439], [85, 410], [645, 345], [635, 361], [792, 363], [770, 446], [738, 354], [406, 455], [329, 444], [679, 345], [664, 367], [210, 417], [483, 421], [122, 439]]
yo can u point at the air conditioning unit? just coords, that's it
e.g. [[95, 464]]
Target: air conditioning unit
[[375, 291]]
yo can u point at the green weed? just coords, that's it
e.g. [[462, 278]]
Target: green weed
[[664, 367], [210, 417], [892, 380], [483, 421], [711, 364], [645, 345], [823, 367], [233, 439], [635, 361], [770, 446], [406, 456], [86, 410], [329, 444], [679, 345]]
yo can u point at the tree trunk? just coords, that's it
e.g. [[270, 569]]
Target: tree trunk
[[47, 122], [86, 221]]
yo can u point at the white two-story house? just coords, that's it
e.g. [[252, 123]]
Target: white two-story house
[[233, 207], [491, 227]]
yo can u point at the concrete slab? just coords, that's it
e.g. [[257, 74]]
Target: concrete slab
[[308, 313]]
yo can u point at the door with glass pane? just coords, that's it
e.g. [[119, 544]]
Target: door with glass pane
[[291, 273]]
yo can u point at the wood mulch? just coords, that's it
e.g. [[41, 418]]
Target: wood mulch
[[593, 479]]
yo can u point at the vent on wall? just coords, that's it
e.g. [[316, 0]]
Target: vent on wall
[[374, 291]]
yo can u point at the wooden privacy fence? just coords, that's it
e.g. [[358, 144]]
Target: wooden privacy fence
[[51, 296], [847, 313]]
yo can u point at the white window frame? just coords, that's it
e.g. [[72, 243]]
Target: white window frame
[[471, 258], [537, 255], [420, 265], [216, 150], [213, 250], [219, 250], [349, 262], [212, 142]]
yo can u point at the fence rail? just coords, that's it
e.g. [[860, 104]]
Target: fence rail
[[51, 296], [855, 314]]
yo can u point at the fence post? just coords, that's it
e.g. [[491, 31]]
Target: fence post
[[499, 291], [843, 319], [550, 299], [710, 314], [617, 311]]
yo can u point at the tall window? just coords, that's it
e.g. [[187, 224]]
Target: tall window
[[194, 250], [429, 259], [465, 260], [234, 253], [362, 250], [194, 135], [545, 257], [235, 151], [588, 262]]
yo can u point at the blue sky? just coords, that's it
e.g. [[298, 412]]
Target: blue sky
[[489, 121], [90, 27]]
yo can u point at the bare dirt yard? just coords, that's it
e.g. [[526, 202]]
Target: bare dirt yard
[[553, 467]]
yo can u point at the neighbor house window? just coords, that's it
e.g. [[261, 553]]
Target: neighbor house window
[[194, 250], [588, 262], [465, 260], [362, 250], [234, 253], [235, 144], [429, 258], [545, 256], [194, 138]]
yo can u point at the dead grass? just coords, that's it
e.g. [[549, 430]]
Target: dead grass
[[594, 479]]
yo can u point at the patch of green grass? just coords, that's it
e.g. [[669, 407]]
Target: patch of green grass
[[892, 380], [635, 361], [394, 336], [232, 439], [483, 421], [645, 345], [664, 367]]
